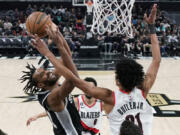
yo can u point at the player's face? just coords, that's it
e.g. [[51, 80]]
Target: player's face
[[46, 77]]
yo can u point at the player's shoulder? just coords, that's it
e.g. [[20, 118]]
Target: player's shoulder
[[42, 96]]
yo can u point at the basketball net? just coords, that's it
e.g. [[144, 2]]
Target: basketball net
[[112, 16]]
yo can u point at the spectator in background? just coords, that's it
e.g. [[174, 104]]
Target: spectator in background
[[146, 45], [1, 26], [80, 27], [61, 10], [108, 43], [72, 44], [100, 40], [166, 24], [67, 30], [137, 48], [42, 7], [48, 9], [72, 18], [7, 25], [22, 25], [16, 13], [172, 40], [16, 29], [79, 16], [163, 45], [116, 42], [29, 9], [54, 10]]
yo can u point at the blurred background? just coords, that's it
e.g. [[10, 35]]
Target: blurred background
[[74, 21]]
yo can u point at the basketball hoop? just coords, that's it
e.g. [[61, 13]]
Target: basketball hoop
[[112, 16]]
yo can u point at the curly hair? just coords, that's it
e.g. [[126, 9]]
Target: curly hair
[[90, 79], [129, 128], [129, 73], [31, 86]]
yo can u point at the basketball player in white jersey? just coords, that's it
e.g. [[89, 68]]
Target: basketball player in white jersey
[[89, 108], [129, 101], [90, 111], [55, 98]]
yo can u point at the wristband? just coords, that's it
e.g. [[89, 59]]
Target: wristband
[[152, 29]]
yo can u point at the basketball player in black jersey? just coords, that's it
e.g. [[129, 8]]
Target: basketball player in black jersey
[[2, 133], [53, 97], [89, 101]]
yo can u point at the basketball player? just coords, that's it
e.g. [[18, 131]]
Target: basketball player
[[129, 102], [2, 133], [55, 99], [90, 110], [129, 128]]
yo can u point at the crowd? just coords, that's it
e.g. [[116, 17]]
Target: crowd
[[72, 23]]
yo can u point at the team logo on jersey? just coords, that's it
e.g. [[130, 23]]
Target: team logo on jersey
[[81, 105], [130, 98], [89, 115]]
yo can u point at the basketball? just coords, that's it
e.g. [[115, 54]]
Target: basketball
[[36, 22]]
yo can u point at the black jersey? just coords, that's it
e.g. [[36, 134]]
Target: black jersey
[[70, 106]]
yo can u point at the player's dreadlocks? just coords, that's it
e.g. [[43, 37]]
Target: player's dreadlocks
[[31, 86]]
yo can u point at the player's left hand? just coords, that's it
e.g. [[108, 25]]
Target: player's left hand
[[54, 33], [152, 17]]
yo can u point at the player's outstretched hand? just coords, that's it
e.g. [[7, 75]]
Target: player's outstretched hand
[[152, 17], [30, 120], [39, 44], [54, 33]]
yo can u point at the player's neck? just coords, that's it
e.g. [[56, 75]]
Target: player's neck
[[52, 87], [89, 101]]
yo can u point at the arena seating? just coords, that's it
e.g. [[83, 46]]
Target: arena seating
[[71, 21]]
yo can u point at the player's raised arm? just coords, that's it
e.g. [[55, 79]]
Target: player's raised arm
[[156, 56], [100, 93], [59, 93], [54, 33], [103, 94]]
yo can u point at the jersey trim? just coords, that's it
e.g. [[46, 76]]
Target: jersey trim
[[143, 93], [87, 104], [123, 91], [45, 98], [78, 103], [101, 106], [89, 128], [114, 97]]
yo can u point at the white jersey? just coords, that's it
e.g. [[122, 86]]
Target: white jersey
[[91, 116], [133, 107]]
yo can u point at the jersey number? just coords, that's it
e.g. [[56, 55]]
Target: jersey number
[[133, 118]]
